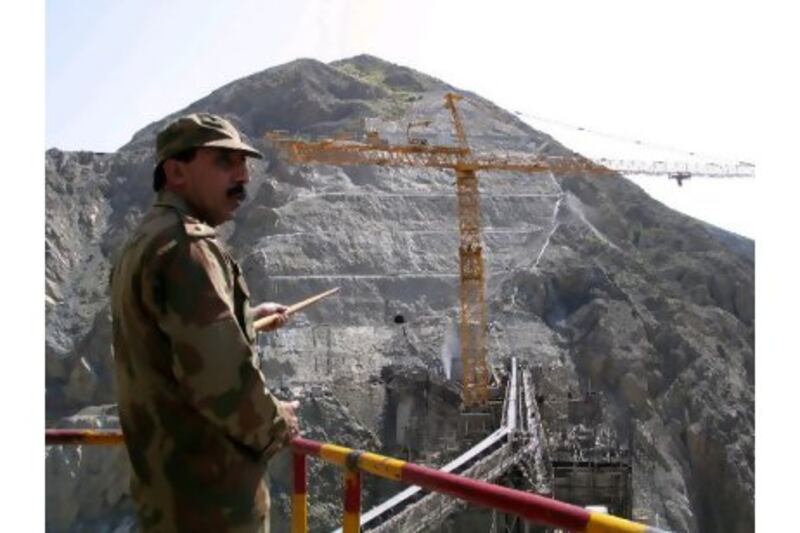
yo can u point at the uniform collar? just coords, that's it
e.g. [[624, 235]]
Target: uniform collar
[[170, 199]]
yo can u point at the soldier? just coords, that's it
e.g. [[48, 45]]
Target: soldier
[[199, 422]]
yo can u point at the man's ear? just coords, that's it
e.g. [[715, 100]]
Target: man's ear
[[175, 173]]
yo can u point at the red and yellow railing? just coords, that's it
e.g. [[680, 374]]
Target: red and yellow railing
[[105, 437], [531, 507]]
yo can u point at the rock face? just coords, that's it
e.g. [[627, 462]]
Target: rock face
[[588, 278], [87, 486]]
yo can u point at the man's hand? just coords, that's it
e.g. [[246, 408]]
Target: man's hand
[[290, 412], [271, 308]]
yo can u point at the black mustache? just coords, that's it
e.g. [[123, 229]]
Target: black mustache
[[238, 191]]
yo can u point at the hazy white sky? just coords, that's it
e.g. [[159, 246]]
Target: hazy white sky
[[671, 73]]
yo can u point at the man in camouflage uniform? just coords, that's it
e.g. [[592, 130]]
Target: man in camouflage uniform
[[199, 422]]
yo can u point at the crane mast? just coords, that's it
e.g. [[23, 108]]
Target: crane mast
[[471, 294]]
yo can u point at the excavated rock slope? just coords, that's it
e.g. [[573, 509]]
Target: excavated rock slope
[[587, 277]]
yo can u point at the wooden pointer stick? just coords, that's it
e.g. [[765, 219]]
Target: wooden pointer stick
[[265, 323]]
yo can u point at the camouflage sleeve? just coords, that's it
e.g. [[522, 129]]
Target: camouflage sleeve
[[213, 362]]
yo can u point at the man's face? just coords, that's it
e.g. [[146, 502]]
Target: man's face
[[214, 184]]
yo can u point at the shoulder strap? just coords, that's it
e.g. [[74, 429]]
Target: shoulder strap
[[194, 228]]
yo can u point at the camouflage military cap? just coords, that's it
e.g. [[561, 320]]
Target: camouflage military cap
[[197, 130]]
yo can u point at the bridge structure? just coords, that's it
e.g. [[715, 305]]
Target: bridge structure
[[517, 443], [516, 451]]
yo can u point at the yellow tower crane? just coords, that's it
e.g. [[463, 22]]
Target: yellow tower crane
[[473, 313], [465, 164]]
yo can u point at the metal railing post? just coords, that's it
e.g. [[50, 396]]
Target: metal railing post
[[351, 522], [299, 493]]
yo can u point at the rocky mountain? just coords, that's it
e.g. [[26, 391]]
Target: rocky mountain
[[588, 277]]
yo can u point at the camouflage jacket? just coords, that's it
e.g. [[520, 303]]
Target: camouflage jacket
[[198, 420]]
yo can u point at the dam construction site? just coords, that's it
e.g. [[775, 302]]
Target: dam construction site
[[509, 336]]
